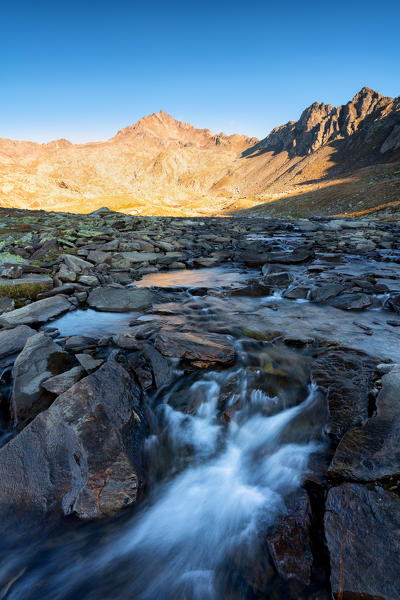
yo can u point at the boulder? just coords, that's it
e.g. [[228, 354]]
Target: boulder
[[13, 340], [118, 299], [87, 362], [76, 264], [81, 456], [325, 292], [203, 350], [6, 304], [351, 301], [40, 359], [66, 274], [37, 312], [372, 452], [346, 376], [362, 529]]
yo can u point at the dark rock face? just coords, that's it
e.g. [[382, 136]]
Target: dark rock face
[[39, 360], [372, 452], [362, 528], [203, 350], [289, 543], [322, 123], [81, 456], [116, 299], [37, 312], [346, 376]]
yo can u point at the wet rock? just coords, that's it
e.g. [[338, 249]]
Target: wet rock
[[37, 312], [127, 341], [362, 528], [372, 452], [60, 383], [203, 350], [351, 302], [346, 376], [289, 543], [40, 359], [325, 292], [116, 299], [161, 369], [13, 340], [291, 258], [82, 456], [207, 262], [280, 279], [394, 303], [297, 293]]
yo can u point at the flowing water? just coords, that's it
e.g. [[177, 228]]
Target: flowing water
[[215, 489], [227, 448]]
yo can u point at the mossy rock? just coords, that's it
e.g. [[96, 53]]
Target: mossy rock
[[26, 287]]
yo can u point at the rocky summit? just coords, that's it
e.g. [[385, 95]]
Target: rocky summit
[[332, 161], [201, 407]]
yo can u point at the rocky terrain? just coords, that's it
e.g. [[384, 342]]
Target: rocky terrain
[[112, 325], [343, 160]]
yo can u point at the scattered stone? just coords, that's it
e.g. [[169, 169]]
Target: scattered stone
[[66, 274], [80, 342], [76, 264], [12, 271], [6, 304]]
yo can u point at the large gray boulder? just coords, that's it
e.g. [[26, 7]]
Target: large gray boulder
[[115, 299], [13, 340], [81, 456], [39, 360], [37, 312]]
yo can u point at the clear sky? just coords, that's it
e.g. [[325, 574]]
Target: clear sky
[[83, 70]]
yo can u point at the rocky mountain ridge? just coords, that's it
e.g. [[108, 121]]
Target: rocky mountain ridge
[[332, 160]]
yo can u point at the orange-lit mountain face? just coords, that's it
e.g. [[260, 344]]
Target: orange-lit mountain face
[[332, 160]]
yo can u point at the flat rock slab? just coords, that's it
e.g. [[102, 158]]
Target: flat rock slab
[[114, 299], [81, 456], [13, 340], [372, 452], [203, 350], [37, 312], [362, 528]]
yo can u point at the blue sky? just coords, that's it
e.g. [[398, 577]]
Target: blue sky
[[83, 70]]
